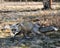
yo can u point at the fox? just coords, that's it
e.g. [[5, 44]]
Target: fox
[[27, 28]]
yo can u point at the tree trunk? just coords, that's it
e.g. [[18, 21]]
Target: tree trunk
[[50, 3], [47, 4]]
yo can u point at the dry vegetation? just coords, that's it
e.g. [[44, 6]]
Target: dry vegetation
[[14, 14]]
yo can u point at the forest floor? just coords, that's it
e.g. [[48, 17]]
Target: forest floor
[[11, 13]]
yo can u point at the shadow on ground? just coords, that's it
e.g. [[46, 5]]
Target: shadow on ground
[[46, 41]]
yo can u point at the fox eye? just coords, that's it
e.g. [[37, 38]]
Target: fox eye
[[13, 29]]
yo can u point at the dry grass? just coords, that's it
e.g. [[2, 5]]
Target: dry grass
[[21, 6], [46, 17]]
